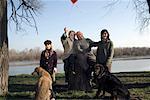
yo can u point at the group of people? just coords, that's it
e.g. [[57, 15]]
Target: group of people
[[78, 58]]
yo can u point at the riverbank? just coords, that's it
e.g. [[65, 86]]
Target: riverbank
[[27, 63], [21, 87]]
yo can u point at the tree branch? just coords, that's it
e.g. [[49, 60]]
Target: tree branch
[[148, 2], [143, 14], [24, 13]]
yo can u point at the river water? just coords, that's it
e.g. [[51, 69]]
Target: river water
[[117, 66]]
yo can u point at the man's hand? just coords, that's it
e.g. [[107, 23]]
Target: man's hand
[[66, 30]]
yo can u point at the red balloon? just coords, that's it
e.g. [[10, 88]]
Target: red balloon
[[74, 1]]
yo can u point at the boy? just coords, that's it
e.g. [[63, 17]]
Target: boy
[[48, 59]]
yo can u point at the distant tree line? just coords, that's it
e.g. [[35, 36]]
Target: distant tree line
[[26, 54], [29, 54], [34, 54], [134, 51]]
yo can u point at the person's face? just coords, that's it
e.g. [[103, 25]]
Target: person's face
[[71, 35], [105, 36], [48, 46], [80, 36]]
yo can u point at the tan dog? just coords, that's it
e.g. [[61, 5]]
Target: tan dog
[[44, 84]]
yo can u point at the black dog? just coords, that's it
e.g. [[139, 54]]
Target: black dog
[[109, 83]]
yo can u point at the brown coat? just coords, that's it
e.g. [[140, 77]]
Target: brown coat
[[67, 45]]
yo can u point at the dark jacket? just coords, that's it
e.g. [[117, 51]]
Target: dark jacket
[[105, 52], [48, 60]]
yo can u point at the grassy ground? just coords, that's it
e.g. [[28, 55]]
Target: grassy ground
[[21, 87]]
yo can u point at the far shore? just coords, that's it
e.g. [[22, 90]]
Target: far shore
[[132, 58], [25, 63]]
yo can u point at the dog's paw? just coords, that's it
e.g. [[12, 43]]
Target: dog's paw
[[102, 96]]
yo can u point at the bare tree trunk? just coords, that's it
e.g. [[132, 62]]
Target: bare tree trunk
[[3, 49]]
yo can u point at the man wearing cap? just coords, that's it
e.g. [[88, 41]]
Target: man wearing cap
[[48, 60]]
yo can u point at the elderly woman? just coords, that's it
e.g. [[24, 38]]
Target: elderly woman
[[82, 66]]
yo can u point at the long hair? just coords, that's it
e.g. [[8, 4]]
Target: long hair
[[104, 30], [71, 32]]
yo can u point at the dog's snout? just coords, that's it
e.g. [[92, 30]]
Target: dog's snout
[[34, 73]]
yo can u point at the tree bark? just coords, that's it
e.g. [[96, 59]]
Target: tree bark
[[4, 59]]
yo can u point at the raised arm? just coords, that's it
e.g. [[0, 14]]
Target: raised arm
[[64, 35], [93, 44]]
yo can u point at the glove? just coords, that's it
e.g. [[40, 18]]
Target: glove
[[55, 70], [74, 72]]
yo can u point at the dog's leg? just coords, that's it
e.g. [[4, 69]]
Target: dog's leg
[[114, 96], [98, 93], [103, 94], [103, 90]]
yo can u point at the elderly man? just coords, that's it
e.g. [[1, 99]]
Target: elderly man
[[48, 60]]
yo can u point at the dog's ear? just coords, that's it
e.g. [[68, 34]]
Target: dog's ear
[[97, 69], [102, 68], [106, 68]]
